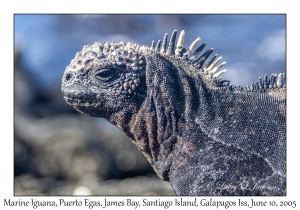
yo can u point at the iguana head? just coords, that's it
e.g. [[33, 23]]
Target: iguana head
[[105, 77]]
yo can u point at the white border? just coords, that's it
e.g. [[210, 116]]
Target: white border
[[228, 6]]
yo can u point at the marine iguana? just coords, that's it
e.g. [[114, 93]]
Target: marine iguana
[[201, 134]]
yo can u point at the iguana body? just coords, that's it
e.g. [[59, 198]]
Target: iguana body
[[202, 135]]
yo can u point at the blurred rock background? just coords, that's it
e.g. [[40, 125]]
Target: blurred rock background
[[58, 151]]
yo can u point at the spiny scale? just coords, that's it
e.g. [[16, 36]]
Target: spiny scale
[[190, 54], [210, 69], [274, 82]]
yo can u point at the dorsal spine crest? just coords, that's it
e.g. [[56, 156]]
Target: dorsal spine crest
[[209, 69]]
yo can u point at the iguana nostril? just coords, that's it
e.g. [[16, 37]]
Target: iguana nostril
[[68, 76]]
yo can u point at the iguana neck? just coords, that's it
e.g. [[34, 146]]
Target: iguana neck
[[176, 101], [171, 99]]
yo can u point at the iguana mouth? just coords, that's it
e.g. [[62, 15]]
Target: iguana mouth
[[82, 102], [80, 99]]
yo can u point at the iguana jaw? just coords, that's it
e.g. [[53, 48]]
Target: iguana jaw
[[81, 102]]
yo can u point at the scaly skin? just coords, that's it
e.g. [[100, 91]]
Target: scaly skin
[[203, 136]]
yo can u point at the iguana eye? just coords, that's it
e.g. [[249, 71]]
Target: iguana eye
[[104, 74]]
